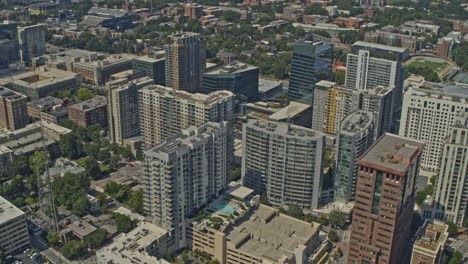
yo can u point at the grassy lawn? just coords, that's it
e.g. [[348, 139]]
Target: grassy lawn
[[81, 161], [432, 65], [104, 168]]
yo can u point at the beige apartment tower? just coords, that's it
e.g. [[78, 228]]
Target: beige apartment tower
[[13, 109], [185, 62], [164, 112]]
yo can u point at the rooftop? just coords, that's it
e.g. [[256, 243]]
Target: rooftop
[[41, 77], [187, 138], [266, 233], [107, 12], [207, 99], [379, 46], [392, 152], [434, 237], [45, 102], [8, 211], [356, 121], [285, 129], [149, 59], [91, 104], [265, 85], [10, 95], [290, 111], [233, 67], [455, 93], [131, 248]]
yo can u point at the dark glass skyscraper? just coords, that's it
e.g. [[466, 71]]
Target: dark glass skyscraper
[[9, 45], [311, 62], [237, 77]]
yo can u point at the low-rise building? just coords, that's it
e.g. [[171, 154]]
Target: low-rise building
[[42, 105], [98, 70], [430, 244], [144, 244], [235, 229], [63, 166], [89, 112], [39, 83], [32, 137], [13, 230]]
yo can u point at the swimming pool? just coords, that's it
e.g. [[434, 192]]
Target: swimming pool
[[225, 208]]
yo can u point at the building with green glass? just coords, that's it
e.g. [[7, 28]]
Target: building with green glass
[[311, 62], [153, 68], [237, 77], [354, 138]]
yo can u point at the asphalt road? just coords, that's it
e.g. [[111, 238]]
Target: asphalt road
[[50, 253]]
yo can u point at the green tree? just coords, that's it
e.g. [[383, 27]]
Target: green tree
[[73, 249], [104, 156], [53, 239], [231, 16], [465, 222], [84, 94], [69, 146], [124, 223], [432, 180], [323, 220], [37, 162], [91, 149], [114, 161], [457, 258], [295, 211], [136, 201], [235, 174], [96, 239], [29, 201], [337, 218], [452, 228], [81, 206], [315, 9], [20, 165], [333, 236], [2, 256], [92, 168], [339, 77]]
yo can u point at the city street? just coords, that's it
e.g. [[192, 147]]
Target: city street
[[50, 253]]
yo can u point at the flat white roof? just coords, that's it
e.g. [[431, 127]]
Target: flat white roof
[[8, 211]]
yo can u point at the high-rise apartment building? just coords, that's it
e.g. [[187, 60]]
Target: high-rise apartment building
[[237, 77], [122, 107], [9, 45], [370, 65], [284, 162], [451, 192], [331, 105], [32, 42], [428, 115], [164, 112], [384, 200], [311, 62], [183, 174], [13, 109], [379, 101], [13, 231], [354, 138], [185, 62]]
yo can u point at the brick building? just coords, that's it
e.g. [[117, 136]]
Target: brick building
[[89, 112], [384, 200]]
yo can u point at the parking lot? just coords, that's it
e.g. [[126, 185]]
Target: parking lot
[[27, 257]]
